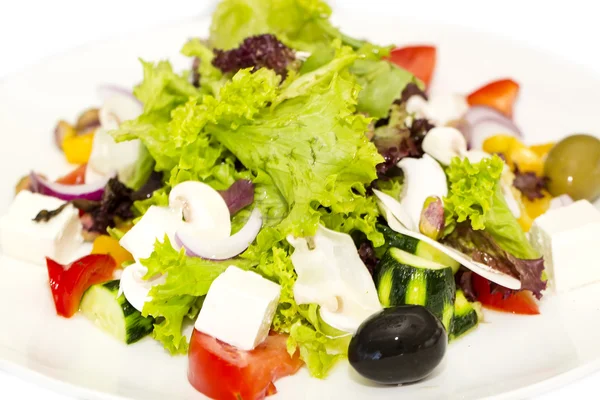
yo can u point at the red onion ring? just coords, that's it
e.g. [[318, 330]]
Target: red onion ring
[[88, 191], [224, 249], [481, 122]]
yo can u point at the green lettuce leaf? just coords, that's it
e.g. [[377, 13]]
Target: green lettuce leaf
[[472, 188], [300, 24], [476, 194], [142, 169], [382, 82], [502, 225], [309, 142], [187, 279], [211, 78], [320, 351]]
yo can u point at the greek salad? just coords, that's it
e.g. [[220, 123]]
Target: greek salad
[[299, 197]]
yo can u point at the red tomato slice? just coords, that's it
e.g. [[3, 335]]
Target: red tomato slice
[[418, 60], [500, 95], [516, 303], [69, 282], [223, 372], [75, 177]]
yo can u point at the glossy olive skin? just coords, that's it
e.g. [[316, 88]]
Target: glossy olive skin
[[400, 344], [573, 167]]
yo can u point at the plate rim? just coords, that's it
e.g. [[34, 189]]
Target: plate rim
[[62, 387]]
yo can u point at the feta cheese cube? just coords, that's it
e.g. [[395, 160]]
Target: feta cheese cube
[[157, 222], [569, 240], [239, 308], [25, 239]]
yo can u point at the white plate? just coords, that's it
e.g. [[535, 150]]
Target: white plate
[[508, 356]]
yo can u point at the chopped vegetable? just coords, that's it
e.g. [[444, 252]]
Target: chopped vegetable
[[69, 282], [500, 95], [224, 372], [403, 278], [419, 60], [78, 148], [529, 184], [256, 52], [472, 188], [107, 245], [75, 177], [513, 302]]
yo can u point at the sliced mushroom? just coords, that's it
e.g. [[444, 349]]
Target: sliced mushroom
[[444, 143], [423, 177], [203, 209]]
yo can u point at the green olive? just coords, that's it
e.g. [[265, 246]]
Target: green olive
[[573, 167]]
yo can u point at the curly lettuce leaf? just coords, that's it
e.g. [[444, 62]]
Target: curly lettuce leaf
[[472, 188], [382, 82], [211, 78], [300, 24], [320, 351], [187, 279], [502, 225], [309, 142]]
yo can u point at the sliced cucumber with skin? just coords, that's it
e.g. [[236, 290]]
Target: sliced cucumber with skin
[[416, 247], [113, 314], [404, 278], [466, 316]]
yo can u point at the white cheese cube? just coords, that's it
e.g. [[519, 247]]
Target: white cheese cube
[[157, 222], [239, 308], [569, 240], [25, 239]]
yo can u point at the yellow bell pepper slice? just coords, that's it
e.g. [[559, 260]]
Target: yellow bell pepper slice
[[105, 244], [542, 150], [78, 148]]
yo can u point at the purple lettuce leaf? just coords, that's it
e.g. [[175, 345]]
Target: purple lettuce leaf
[[256, 52], [481, 247], [239, 195]]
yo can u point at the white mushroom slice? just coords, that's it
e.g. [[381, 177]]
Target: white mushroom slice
[[444, 143], [135, 288], [423, 177], [389, 207], [440, 109], [204, 210], [332, 275]]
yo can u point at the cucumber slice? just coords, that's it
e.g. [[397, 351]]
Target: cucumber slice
[[416, 247], [113, 314], [404, 278], [466, 316]]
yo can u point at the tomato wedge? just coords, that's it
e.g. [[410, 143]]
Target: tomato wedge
[[516, 303], [69, 282], [223, 372], [418, 60], [500, 95], [75, 177]]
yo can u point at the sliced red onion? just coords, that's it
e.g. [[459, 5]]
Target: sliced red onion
[[560, 201], [481, 122], [239, 195], [89, 191], [223, 249]]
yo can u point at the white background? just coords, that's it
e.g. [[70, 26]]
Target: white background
[[32, 30]]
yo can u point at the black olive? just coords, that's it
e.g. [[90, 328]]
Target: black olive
[[401, 344]]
